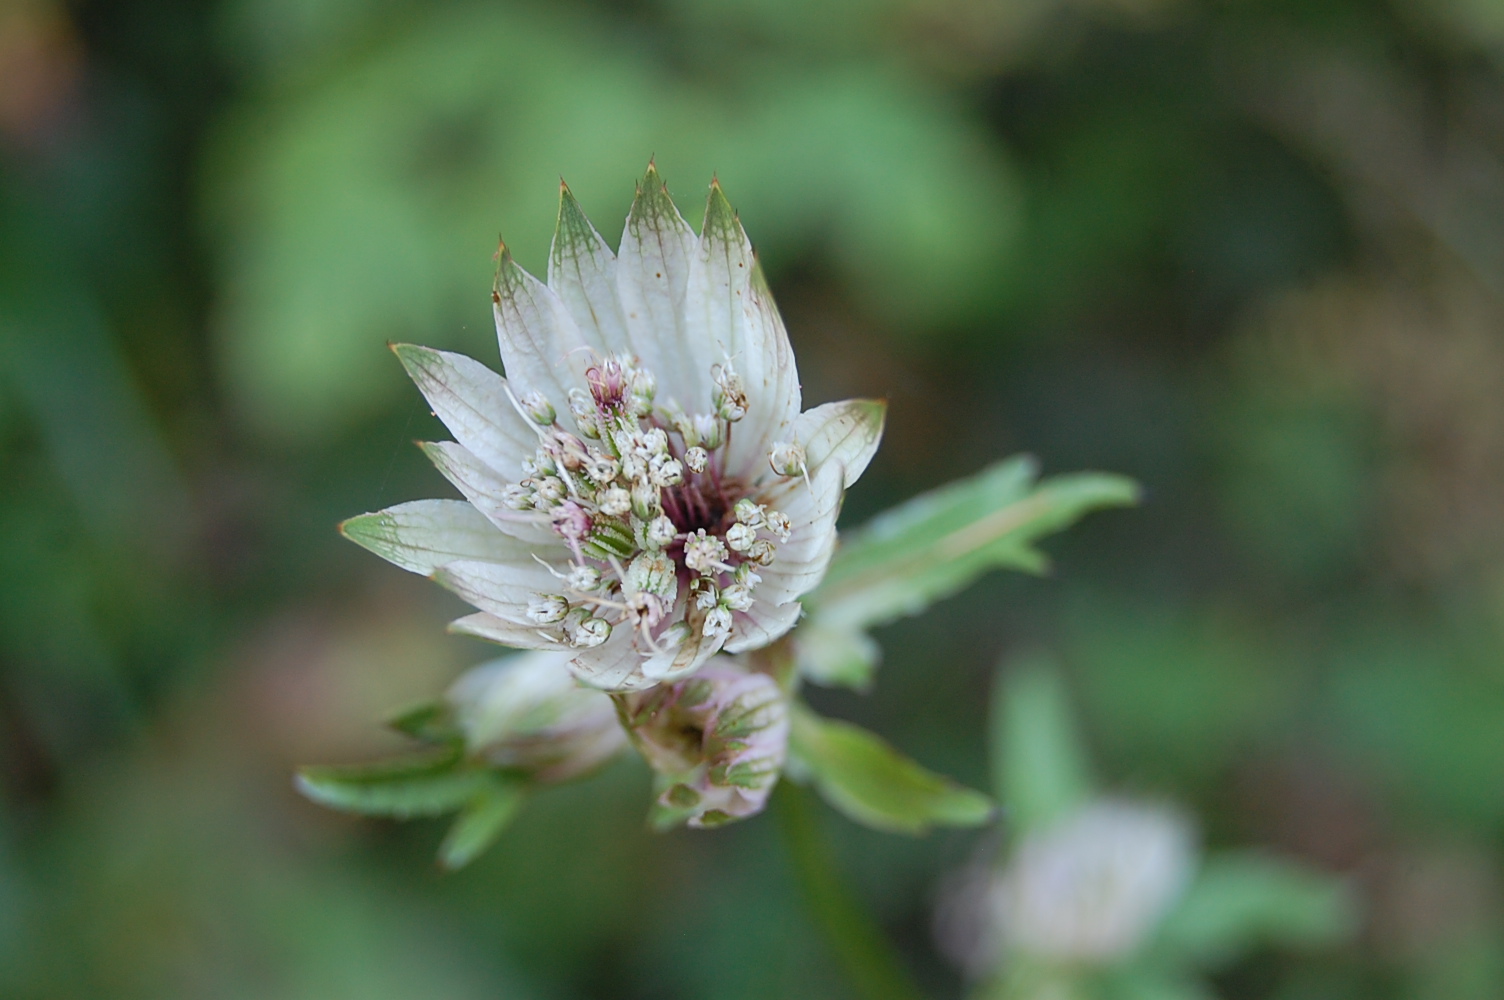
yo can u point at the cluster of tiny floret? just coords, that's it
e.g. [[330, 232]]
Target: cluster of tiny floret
[[642, 499]]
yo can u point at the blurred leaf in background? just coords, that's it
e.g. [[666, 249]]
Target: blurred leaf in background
[[933, 546], [359, 200]]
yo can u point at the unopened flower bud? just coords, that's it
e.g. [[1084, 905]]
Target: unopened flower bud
[[541, 502], [708, 430], [704, 553], [646, 503], [746, 576], [707, 596], [608, 384], [737, 597], [717, 622], [696, 458], [666, 472], [581, 405], [762, 552], [740, 537], [547, 609], [538, 408], [568, 450], [779, 524], [550, 489], [586, 632], [517, 497], [592, 633], [634, 466], [787, 458], [730, 394], [661, 531], [571, 520], [624, 438], [582, 577], [614, 502], [640, 403], [749, 512], [655, 442], [602, 468]]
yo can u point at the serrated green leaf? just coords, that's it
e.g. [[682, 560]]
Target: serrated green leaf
[[482, 820], [1244, 900], [924, 550], [425, 785], [870, 782], [1038, 760]]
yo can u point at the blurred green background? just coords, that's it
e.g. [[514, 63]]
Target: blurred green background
[[1250, 252]]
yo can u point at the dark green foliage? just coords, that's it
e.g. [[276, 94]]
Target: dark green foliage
[[1244, 253]]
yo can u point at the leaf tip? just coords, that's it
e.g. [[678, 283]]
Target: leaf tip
[[309, 782], [362, 529]]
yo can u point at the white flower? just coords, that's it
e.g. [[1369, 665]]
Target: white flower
[[1092, 888], [719, 738], [527, 712], [670, 358], [1087, 891]]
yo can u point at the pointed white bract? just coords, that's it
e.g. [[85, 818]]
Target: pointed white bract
[[646, 491]]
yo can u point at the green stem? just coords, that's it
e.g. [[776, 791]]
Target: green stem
[[870, 962]]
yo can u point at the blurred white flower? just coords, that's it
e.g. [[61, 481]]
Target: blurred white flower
[[1092, 888], [650, 396], [527, 712], [1088, 890]]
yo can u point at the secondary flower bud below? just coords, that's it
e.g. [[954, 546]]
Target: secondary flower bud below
[[719, 739]]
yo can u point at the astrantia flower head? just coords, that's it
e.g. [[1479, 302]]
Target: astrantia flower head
[[644, 491]]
